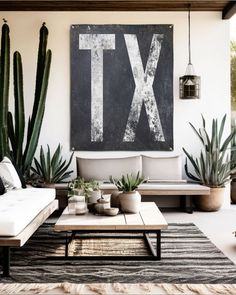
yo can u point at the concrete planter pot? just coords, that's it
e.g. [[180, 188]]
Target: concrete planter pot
[[130, 202], [211, 202]]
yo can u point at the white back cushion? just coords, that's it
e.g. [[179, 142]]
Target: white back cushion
[[169, 168], [102, 169], [8, 172]]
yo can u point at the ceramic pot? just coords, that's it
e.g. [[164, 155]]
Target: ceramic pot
[[115, 199], [211, 202], [101, 205], [130, 202], [73, 202], [94, 196]]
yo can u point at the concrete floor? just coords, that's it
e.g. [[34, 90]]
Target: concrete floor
[[217, 226]]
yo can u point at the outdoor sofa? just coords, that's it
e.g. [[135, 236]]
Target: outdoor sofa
[[22, 211], [163, 174]]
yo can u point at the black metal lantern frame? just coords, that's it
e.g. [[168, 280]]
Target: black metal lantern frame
[[189, 84]]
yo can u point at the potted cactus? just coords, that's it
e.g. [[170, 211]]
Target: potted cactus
[[129, 198], [213, 167]]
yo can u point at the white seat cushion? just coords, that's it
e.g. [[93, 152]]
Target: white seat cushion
[[102, 169], [19, 207], [164, 187]]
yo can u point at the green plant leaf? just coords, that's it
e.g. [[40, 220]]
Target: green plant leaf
[[55, 159], [43, 164], [196, 132], [48, 165], [39, 169], [222, 126]]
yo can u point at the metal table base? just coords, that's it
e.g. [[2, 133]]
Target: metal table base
[[155, 253]]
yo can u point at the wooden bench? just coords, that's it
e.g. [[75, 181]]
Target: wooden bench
[[18, 241], [184, 190]]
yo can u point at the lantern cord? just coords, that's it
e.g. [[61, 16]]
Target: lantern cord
[[189, 37]]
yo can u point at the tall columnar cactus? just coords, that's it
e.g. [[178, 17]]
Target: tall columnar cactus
[[16, 133], [4, 89], [24, 159], [35, 122]]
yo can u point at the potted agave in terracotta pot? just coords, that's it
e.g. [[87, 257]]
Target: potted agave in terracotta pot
[[213, 167], [129, 198]]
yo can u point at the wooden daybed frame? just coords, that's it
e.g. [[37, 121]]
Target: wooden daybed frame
[[18, 241]]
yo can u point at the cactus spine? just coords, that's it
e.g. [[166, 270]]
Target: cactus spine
[[4, 89]]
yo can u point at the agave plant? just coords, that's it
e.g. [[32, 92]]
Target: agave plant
[[127, 183], [213, 167], [51, 169]]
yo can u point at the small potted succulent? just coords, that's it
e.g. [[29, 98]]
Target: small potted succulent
[[80, 188], [130, 199], [90, 189]]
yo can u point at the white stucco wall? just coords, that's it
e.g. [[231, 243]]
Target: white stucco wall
[[210, 56]]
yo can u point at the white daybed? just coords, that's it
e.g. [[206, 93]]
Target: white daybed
[[22, 211]]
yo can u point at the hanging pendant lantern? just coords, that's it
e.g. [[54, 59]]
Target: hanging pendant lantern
[[189, 84]]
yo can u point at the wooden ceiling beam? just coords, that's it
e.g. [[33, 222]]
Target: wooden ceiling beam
[[118, 5], [229, 10]]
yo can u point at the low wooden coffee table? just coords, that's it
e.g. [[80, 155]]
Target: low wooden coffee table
[[148, 220]]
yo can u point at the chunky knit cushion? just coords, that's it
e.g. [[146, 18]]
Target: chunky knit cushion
[[2, 187]]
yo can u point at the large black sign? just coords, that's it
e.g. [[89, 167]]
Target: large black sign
[[121, 87]]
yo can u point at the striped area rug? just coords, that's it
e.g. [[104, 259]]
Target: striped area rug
[[187, 257]]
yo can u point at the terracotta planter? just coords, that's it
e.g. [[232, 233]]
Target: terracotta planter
[[211, 202], [130, 202], [233, 192]]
